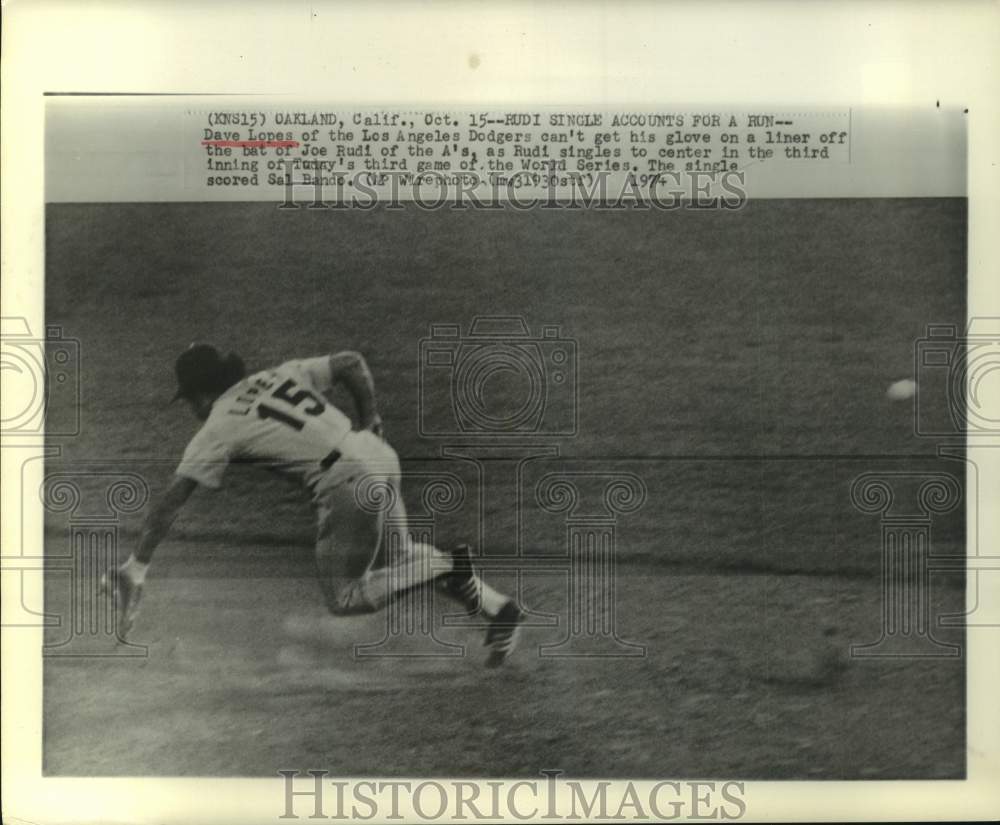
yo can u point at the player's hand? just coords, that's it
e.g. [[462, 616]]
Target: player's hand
[[126, 595]]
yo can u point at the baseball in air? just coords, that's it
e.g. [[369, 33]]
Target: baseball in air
[[902, 390]]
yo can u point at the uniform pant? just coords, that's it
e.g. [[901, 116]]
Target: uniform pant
[[361, 565]]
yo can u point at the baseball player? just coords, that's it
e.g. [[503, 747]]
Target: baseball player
[[283, 418]]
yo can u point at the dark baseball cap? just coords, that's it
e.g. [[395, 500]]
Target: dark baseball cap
[[201, 368]]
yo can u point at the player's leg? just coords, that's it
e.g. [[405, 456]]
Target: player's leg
[[344, 546], [420, 563], [412, 562], [467, 587], [365, 556], [363, 565], [368, 559], [399, 563], [505, 614]]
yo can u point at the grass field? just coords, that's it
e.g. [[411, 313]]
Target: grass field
[[735, 363]]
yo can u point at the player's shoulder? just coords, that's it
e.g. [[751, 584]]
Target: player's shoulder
[[295, 364], [314, 370], [209, 435]]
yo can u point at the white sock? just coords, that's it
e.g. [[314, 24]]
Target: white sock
[[135, 570], [422, 564], [491, 600], [442, 562]]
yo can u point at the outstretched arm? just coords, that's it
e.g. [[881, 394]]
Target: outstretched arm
[[126, 582], [162, 516], [351, 370]]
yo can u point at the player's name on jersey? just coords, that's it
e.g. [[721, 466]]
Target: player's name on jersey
[[257, 385]]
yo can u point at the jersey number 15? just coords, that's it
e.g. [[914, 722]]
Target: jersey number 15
[[293, 397]]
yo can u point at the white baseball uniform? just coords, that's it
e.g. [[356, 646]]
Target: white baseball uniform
[[279, 419]]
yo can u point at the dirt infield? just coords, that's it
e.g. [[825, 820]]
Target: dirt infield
[[735, 364], [247, 676]]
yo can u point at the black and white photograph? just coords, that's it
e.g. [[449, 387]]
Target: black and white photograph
[[636, 463], [578, 462]]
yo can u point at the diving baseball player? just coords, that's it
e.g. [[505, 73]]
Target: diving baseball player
[[283, 418]]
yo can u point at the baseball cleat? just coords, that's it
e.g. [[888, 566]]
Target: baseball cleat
[[126, 595], [501, 637], [462, 582]]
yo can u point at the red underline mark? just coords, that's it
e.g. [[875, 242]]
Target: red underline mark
[[253, 144]]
